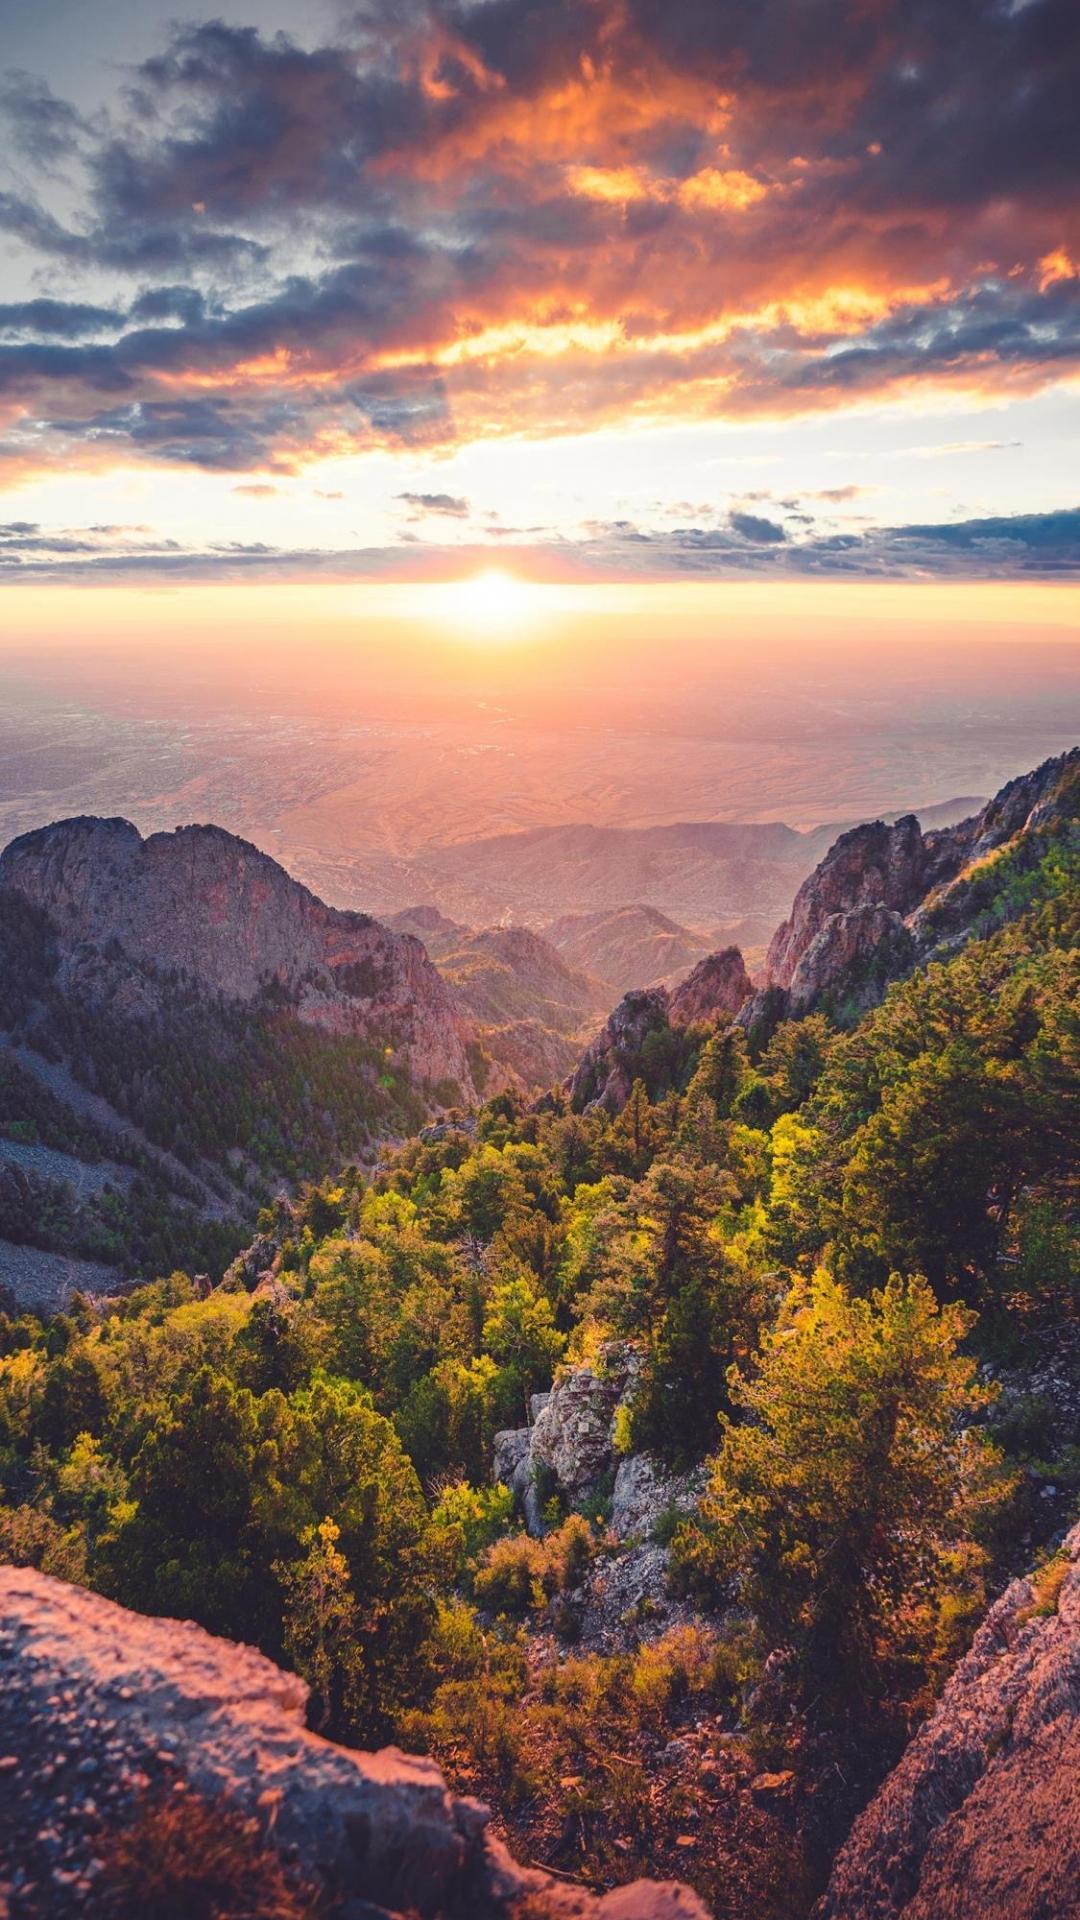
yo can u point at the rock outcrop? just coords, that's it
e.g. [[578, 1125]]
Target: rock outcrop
[[644, 1494], [605, 1072], [981, 1819], [206, 905], [716, 988], [101, 1708], [570, 1449], [886, 898]]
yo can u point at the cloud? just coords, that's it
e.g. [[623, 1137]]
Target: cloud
[[753, 527], [62, 319], [43, 129], [451, 505], [943, 449], [453, 220], [1018, 547]]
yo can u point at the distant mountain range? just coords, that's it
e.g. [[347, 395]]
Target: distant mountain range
[[732, 879], [184, 1027]]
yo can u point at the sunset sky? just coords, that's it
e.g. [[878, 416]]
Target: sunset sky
[[587, 290]]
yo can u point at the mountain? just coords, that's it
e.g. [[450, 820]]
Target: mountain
[[888, 897], [627, 947], [645, 1029], [699, 872], [531, 1009], [668, 1332], [428, 925], [183, 1027], [980, 1820], [205, 905]]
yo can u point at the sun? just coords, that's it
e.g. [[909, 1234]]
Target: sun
[[493, 604]]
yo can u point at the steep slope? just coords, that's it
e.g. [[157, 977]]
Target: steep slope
[[204, 904], [981, 1819], [182, 1026], [645, 1027], [886, 898], [530, 1010], [136, 1708]]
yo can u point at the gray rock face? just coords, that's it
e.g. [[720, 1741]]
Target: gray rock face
[[842, 946], [130, 1701], [981, 1819], [644, 1493], [604, 1072], [212, 907], [719, 984], [569, 1445], [572, 1433], [892, 895], [876, 866]]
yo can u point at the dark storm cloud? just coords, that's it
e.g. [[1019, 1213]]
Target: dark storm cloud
[[68, 320], [407, 235]]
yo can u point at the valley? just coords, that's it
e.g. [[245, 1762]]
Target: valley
[[521, 1430]]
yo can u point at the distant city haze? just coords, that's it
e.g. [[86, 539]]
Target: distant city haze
[[368, 737]]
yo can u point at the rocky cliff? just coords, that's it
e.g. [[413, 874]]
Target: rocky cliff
[[102, 1711], [209, 906], [981, 1819], [716, 988], [887, 897]]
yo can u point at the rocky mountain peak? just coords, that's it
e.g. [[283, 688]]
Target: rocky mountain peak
[[864, 906], [205, 904], [716, 988], [719, 984]]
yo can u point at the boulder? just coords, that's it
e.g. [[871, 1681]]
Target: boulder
[[981, 1819], [572, 1434], [569, 1447], [100, 1707]]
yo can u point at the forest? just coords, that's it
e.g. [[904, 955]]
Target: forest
[[825, 1265]]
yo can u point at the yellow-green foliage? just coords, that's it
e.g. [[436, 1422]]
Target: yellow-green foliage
[[518, 1574], [847, 1479], [190, 1455]]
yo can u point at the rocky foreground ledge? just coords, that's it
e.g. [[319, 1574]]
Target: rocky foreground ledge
[[100, 1708], [981, 1819]]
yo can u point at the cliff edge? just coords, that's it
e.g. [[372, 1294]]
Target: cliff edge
[[100, 1707], [981, 1819]]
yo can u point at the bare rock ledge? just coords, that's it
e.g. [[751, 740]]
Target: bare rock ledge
[[981, 1819], [124, 1697]]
